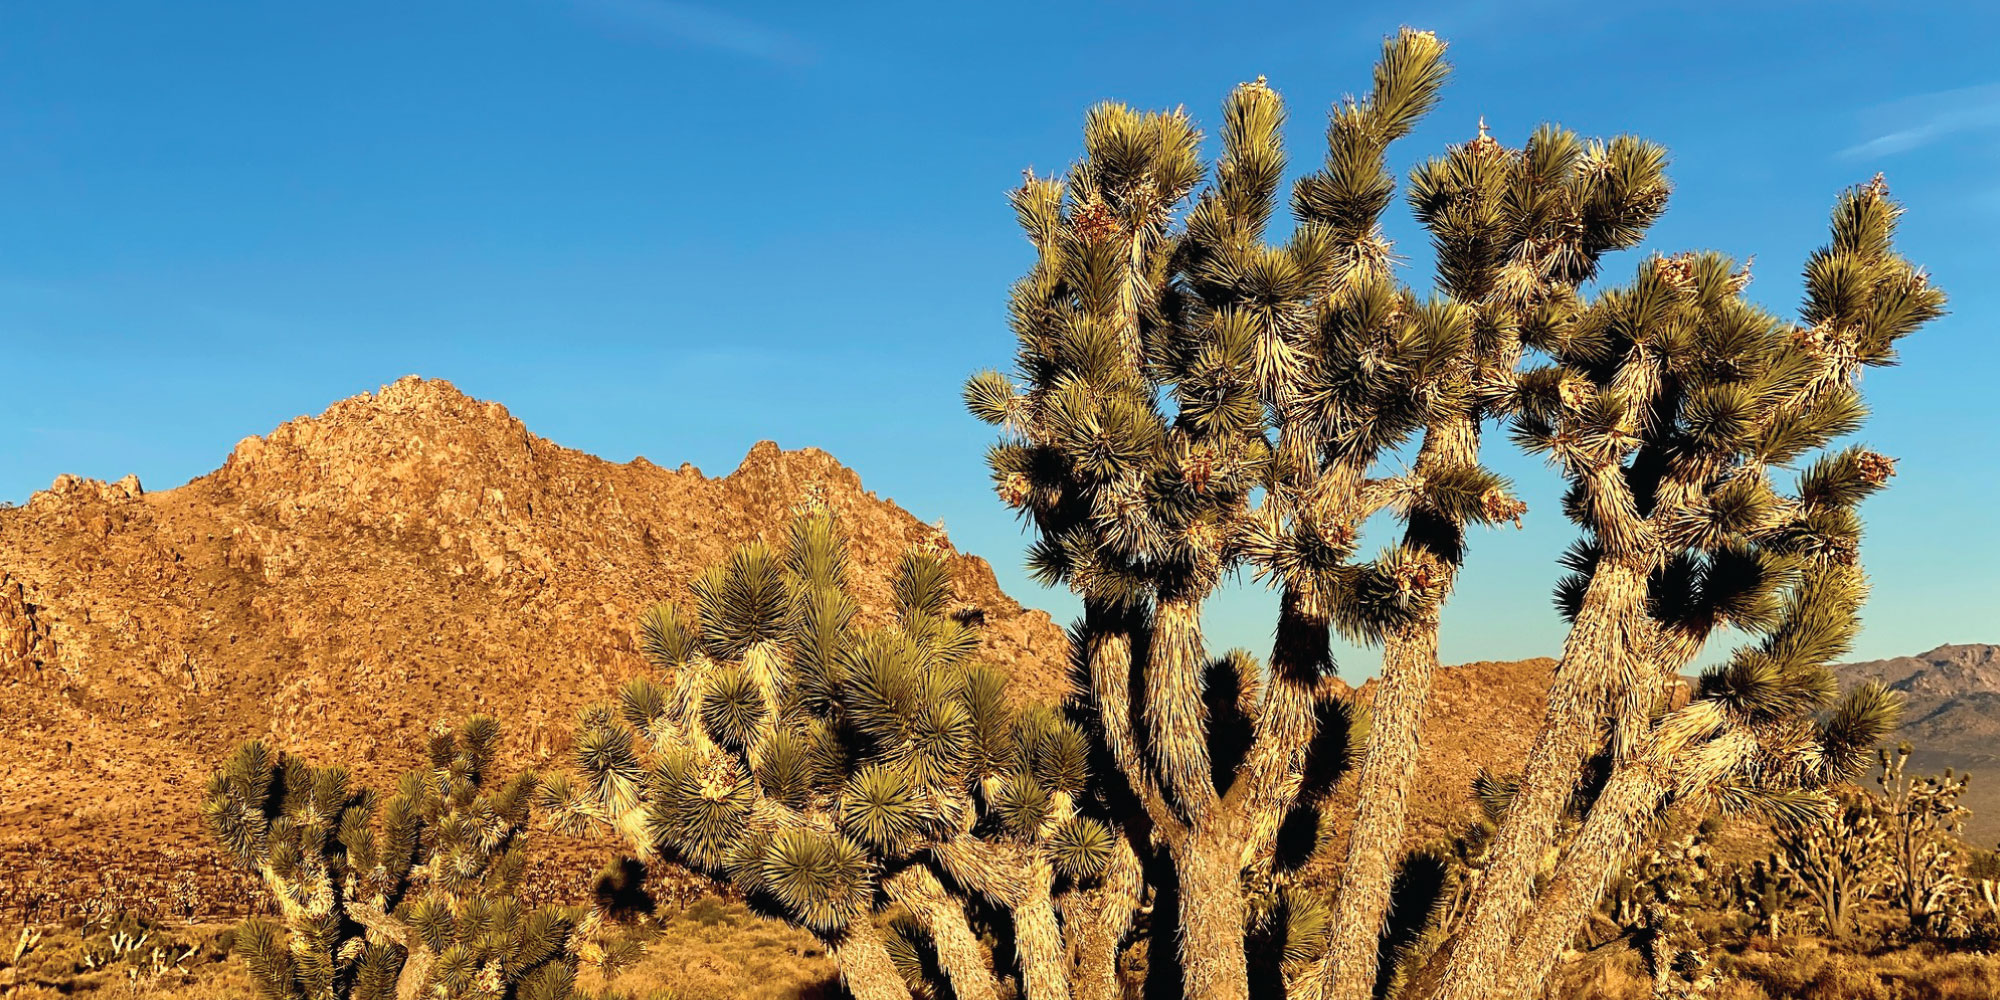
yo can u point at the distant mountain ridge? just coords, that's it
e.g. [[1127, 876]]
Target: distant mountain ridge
[[1952, 695], [1951, 716]]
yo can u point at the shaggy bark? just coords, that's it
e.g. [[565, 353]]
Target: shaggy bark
[[1102, 917], [1108, 657], [415, 977], [1348, 969], [865, 966], [1212, 914], [1611, 628], [1266, 788], [1038, 938], [959, 952], [1605, 846], [1176, 718], [1409, 662]]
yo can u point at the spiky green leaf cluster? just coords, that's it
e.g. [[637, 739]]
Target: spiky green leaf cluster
[[804, 756]]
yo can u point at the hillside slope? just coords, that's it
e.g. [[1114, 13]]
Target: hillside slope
[[343, 582]]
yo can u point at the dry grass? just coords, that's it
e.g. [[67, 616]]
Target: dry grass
[[711, 950], [719, 950], [122, 957], [715, 950], [1799, 968]]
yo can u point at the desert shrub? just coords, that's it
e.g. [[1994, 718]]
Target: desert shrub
[[415, 894], [709, 912], [121, 953]]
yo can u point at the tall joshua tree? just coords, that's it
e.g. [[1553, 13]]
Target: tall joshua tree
[[1191, 399], [1151, 355], [420, 900], [1514, 232]]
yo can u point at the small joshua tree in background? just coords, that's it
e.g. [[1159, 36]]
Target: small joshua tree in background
[[1765, 894], [1838, 861], [415, 899], [1653, 904], [1923, 817]]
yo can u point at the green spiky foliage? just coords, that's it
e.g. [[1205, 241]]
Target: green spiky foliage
[[1924, 818], [1196, 395], [1838, 861], [415, 895], [1673, 405], [832, 771]]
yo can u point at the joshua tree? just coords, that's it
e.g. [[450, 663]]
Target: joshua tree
[[1923, 818], [418, 901], [828, 770], [1192, 400], [1839, 860], [1670, 443], [1988, 893]]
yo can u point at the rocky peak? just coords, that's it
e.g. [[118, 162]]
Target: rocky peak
[[340, 583], [1948, 671], [412, 434], [71, 490]]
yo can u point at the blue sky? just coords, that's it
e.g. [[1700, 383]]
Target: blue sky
[[673, 229]]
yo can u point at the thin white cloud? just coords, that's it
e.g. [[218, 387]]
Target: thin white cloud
[[674, 23], [1915, 122]]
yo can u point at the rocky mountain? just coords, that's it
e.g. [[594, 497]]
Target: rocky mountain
[[1951, 716], [1952, 695], [342, 583]]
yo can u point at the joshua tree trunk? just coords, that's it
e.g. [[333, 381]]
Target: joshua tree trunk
[[1348, 970], [1213, 962], [1835, 905], [1176, 718], [1301, 655], [865, 966], [1108, 654], [416, 971], [1104, 915], [416, 975], [1604, 847], [959, 952], [1641, 786], [1038, 938], [1409, 662], [1611, 629]]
